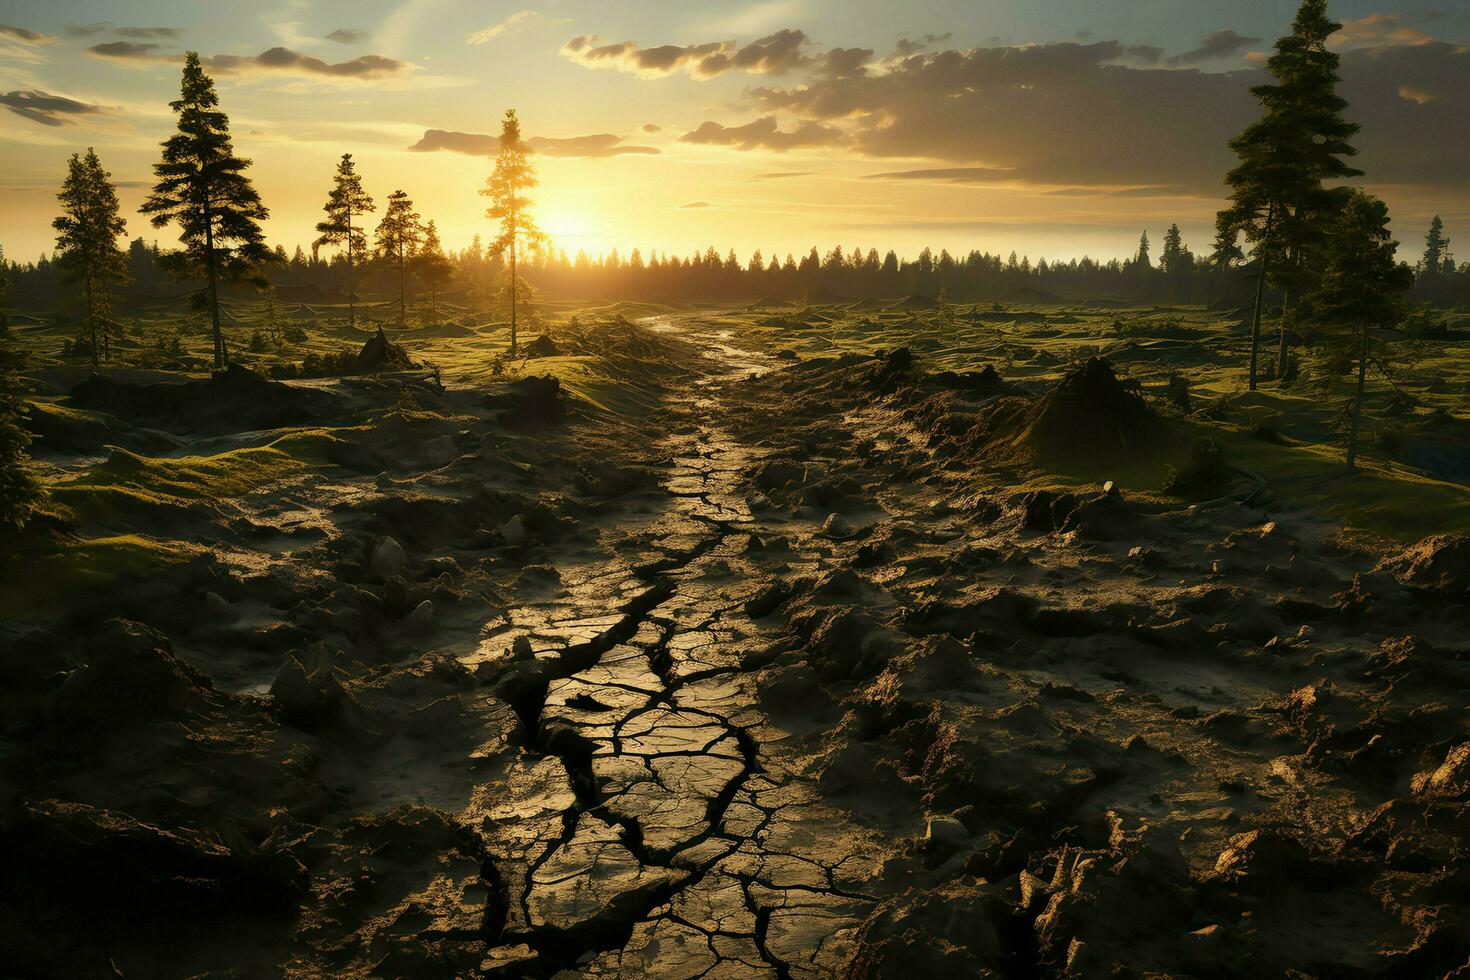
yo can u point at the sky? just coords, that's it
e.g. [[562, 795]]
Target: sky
[[1054, 129]]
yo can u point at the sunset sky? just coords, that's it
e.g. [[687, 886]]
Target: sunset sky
[[1055, 129]]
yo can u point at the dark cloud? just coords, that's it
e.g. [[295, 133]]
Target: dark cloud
[[907, 45], [949, 175], [46, 109], [783, 175], [842, 62], [24, 34], [282, 60], [597, 145], [102, 27], [652, 128], [1091, 115], [774, 54], [348, 35], [149, 31], [765, 134], [1144, 54], [1221, 44], [124, 51], [694, 204]]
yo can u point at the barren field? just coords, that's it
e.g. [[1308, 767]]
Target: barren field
[[865, 640]]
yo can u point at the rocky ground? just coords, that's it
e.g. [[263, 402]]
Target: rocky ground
[[776, 676]]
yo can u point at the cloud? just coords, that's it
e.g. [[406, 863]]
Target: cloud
[[149, 31], [694, 204], [1377, 31], [347, 35], [515, 20], [652, 128], [274, 60], [907, 46], [1090, 115], [774, 54], [949, 175], [1221, 44], [765, 134], [782, 175], [127, 51], [25, 35], [102, 27], [46, 109], [595, 146]]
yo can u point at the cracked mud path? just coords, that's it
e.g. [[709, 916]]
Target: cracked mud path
[[657, 825]]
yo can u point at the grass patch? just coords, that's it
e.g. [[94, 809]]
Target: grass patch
[[35, 584]]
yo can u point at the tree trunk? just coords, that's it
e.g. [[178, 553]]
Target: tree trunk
[[1281, 339], [513, 289], [351, 292], [219, 337], [1260, 291], [92, 319], [402, 321], [1256, 321], [1352, 450]]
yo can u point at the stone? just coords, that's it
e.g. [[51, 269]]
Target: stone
[[388, 559]]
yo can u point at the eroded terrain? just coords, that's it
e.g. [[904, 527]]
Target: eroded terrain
[[787, 669]]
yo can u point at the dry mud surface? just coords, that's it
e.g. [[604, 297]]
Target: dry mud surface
[[769, 680]]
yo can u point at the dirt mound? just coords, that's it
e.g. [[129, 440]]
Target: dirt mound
[[530, 401], [234, 400], [1090, 416], [1436, 564], [1031, 295], [380, 354], [542, 346], [914, 301]]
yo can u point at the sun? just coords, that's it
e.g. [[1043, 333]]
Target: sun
[[570, 230]]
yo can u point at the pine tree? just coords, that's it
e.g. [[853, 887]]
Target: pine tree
[[18, 487], [1436, 247], [399, 235], [1142, 259], [1361, 289], [432, 266], [1277, 199], [345, 201], [203, 188], [86, 241], [506, 188]]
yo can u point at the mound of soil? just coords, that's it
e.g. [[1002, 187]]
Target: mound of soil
[[1436, 564], [914, 301], [542, 346], [1090, 416], [234, 400], [1030, 295], [381, 354], [531, 401]]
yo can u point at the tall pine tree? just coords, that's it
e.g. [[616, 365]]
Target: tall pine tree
[[202, 187], [506, 188], [86, 242], [432, 266], [1361, 289], [399, 236], [1278, 200], [345, 201]]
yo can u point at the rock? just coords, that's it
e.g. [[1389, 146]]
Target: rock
[[542, 346], [514, 530], [836, 526], [946, 833], [306, 691], [128, 676], [1450, 780], [388, 559], [1204, 949], [422, 617], [218, 610]]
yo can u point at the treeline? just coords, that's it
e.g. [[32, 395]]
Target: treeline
[[474, 276]]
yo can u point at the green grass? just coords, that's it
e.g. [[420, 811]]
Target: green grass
[[47, 578]]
